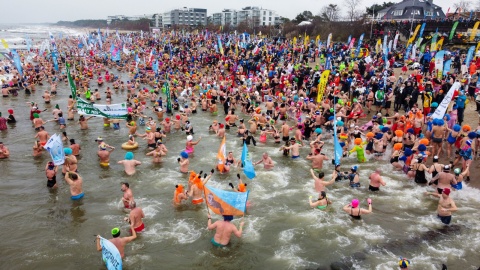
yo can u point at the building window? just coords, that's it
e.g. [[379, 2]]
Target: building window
[[429, 13], [380, 15], [415, 12], [263, 23], [270, 19], [264, 18], [270, 13], [264, 13], [398, 12]]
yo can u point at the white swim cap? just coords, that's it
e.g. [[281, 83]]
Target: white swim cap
[[189, 137]]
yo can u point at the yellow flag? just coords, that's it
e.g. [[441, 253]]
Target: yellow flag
[[478, 47], [295, 41], [322, 85], [317, 39], [5, 44], [412, 38], [378, 47], [474, 31], [440, 44]]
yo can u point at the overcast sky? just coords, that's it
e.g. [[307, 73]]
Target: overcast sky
[[39, 11]]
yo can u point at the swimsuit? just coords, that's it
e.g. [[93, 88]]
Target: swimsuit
[[295, 157], [372, 188], [322, 207], [77, 197], [116, 126], [52, 182], [140, 228], [457, 186], [437, 140], [451, 139], [197, 201], [215, 244], [104, 164], [445, 219], [355, 217]]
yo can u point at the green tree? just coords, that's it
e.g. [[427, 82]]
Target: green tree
[[375, 8]]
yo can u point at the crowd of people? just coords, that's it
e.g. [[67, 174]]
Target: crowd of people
[[259, 89]]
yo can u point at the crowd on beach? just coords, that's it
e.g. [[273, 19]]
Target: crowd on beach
[[264, 90]]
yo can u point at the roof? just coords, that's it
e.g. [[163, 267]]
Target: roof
[[412, 9]]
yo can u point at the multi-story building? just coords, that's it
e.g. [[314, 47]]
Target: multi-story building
[[253, 16], [185, 16]]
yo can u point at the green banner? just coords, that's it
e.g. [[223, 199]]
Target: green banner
[[169, 98], [73, 88], [454, 27]]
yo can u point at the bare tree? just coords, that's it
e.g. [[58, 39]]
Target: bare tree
[[464, 5], [353, 9], [330, 13]]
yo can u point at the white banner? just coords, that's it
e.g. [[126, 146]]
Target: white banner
[[55, 147], [442, 107], [113, 111]]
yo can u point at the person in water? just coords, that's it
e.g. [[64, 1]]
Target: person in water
[[321, 203], [446, 205], [127, 195], [129, 163], [376, 180], [224, 230], [75, 181], [51, 173], [119, 242], [179, 195], [135, 218], [355, 211]]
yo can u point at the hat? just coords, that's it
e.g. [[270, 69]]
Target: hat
[[446, 191], [184, 154], [457, 171], [129, 156], [446, 168], [403, 263], [99, 139], [189, 137], [67, 151], [115, 232], [355, 203], [354, 168]]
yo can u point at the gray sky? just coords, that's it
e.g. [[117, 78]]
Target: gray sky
[[38, 11]]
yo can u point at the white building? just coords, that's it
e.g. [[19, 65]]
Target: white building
[[253, 16], [185, 16]]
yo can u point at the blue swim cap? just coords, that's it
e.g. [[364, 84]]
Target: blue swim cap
[[472, 135], [435, 122], [318, 130], [422, 147], [434, 105], [407, 152], [67, 151], [456, 127], [378, 136], [354, 168], [410, 130], [184, 154], [385, 129], [340, 123], [441, 122], [447, 116], [129, 156], [330, 118]]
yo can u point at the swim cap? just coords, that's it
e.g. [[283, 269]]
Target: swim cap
[[441, 122], [167, 119], [456, 127], [354, 168], [398, 133], [115, 232], [424, 142], [67, 151], [397, 146], [184, 154], [384, 120], [410, 130], [385, 129], [403, 263], [434, 105], [358, 141], [370, 135], [177, 117], [132, 123], [330, 118], [378, 136], [407, 152], [129, 156], [227, 218], [10, 111], [35, 115], [355, 100], [355, 203], [148, 129], [457, 171], [340, 123], [466, 128], [447, 116], [446, 191], [189, 137], [318, 130], [472, 135], [422, 147]]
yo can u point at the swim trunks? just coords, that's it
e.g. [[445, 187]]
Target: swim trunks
[[437, 140], [77, 197], [457, 186], [104, 164], [52, 182], [285, 138], [354, 185], [322, 207], [43, 143], [215, 244], [116, 126], [440, 190], [295, 157], [445, 219], [197, 201], [372, 188], [152, 145], [140, 228]]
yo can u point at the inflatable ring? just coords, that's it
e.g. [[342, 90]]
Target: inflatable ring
[[127, 146]]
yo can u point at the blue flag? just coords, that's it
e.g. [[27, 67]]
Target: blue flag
[[226, 203], [336, 145], [248, 168], [110, 255], [16, 60], [469, 56]]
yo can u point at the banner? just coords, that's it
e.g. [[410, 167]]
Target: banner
[[54, 146], [248, 168], [221, 155], [390, 43], [220, 47], [440, 44], [395, 41], [169, 97], [110, 255], [412, 38], [17, 61], [407, 52], [352, 42], [329, 39], [73, 88], [113, 111], [378, 46], [359, 46], [474, 31], [338, 151], [322, 85], [442, 107], [433, 45], [5, 44], [469, 56], [226, 203], [447, 66], [439, 64], [476, 49], [421, 30], [452, 32]]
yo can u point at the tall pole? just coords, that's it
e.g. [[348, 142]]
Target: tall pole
[[373, 18], [413, 18]]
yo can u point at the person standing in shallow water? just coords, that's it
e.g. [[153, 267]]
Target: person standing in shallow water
[[223, 230], [446, 205], [119, 242], [129, 163]]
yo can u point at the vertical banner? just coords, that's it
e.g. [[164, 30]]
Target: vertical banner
[[247, 163], [169, 98], [395, 41], [17, 61], [337, 148], [469, 55], [390, 43], [322, 85], [407, 52], [54, 146], [73, 88], [440, 44], [452, 32], [442, 107], [378, 46], [352, 42], [447, 66], [110, 255], [220, 47], [439, 64], [359, 46], [329, 39], [474, 31], [421, 30], [433, 45], [412, 38]]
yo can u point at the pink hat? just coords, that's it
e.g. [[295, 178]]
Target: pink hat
[[355, 203]]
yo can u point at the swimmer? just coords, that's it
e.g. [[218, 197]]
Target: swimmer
[[183, 161], [135, 218], [196, 190], [179, 195], [376, 180], [267, 162], [75, 181], [50, 172], [104, 155], [355, 211], [242, 187], [295, 147], [189, 146], [119, 242], [317, 159], [320, 184], [129, 163], [127, 195], [322, 201], [224, 230], [4, 152], [446, 205]]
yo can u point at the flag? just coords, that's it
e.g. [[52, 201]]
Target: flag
[[294, 41], [421, 30], [322, 85], [73, 88], [54, 146], [476, 49], [329, 39], [110, 255], [359, 46], [336, 145], [226, 203], [474, 31], [390, 44], [17, 61], [469, 55], [452, 32], [395, 41], [442, 107], [221, 155], [378, 47], [433, 45], [220, 47], [407, 52], [439, 64], [155, 67], [351, 44], [248, 169], [99, 37], [440, 44], [112, 111], [5, 44], [412, 38], [317, 39], [447, 66], [169, 98]]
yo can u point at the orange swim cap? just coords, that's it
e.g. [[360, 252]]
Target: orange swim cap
[[397, 146], [358, 141], [370, 135], [424, 141], [398, 133], [466, 128]]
